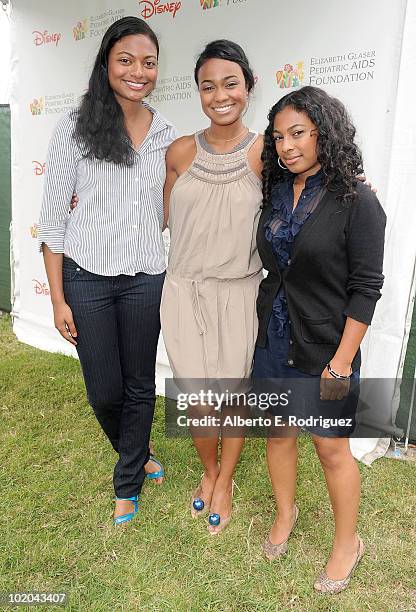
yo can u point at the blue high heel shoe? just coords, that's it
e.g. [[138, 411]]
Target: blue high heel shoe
[[160, 473], [198, 507], [125, 518], [215, 520]]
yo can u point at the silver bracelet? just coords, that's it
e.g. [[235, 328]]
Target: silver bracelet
[[336, 375]]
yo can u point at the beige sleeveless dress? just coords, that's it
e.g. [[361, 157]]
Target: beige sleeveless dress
[[208, 310]]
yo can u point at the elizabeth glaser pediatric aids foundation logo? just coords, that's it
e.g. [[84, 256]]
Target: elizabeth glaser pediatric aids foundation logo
[[290, 76], [94, 26], [347, 67], [149, 8], [52, 104]]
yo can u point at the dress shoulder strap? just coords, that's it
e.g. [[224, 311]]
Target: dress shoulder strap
[[248, 142]]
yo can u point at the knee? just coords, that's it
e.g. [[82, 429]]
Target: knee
[[139, 390], [333, 453], [202, 411], [105, 398], [284, 443]]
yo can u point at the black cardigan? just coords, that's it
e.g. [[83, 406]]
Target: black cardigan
[[335, 271]]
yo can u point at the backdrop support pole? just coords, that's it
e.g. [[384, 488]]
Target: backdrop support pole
[[406, 442]]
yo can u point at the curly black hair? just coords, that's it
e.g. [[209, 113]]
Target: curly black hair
[[100, 119], [338, 154], [226, 50]]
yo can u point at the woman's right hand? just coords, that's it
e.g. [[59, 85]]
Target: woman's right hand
[[64, 322]]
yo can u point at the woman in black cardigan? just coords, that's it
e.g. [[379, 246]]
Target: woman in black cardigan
[[320, 237]]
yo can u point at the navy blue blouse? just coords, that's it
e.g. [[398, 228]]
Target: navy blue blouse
[[283, 226]]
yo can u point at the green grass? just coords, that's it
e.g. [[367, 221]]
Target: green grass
[[56, 532]]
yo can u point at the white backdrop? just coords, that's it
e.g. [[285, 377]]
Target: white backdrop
[[364, 53]]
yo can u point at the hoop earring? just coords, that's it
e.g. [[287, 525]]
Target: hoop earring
[[279, 163]]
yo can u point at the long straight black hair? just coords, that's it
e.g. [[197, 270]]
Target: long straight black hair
[[100, 119]]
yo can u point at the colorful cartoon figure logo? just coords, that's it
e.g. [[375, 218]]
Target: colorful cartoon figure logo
[[80, 30], [208, 4], [290, 76], [37, 106]]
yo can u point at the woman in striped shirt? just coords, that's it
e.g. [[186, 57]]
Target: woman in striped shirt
[[105, 261]]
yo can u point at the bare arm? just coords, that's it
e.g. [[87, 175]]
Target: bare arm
[[254, 156], [354, 332], [62, 313], [171, 176], [179, 157]]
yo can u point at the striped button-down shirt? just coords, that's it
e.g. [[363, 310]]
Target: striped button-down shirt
[[116, 228]]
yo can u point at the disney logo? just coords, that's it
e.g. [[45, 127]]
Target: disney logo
[[39, 168], [40, 288], [151, 8], [34, 230], [41, 38]]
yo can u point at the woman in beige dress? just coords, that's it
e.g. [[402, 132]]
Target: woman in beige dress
[[213, 199]]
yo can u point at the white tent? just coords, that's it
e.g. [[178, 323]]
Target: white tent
[[364, 53]]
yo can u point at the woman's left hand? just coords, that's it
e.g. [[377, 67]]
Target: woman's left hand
[[74, 201], [332, 388]]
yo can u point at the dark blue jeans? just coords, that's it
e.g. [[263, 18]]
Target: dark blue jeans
[[118, 325]]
